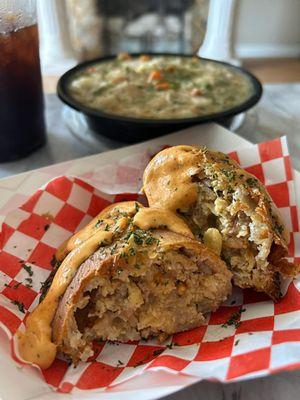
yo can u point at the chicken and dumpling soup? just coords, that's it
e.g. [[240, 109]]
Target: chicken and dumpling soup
[[160, 87]]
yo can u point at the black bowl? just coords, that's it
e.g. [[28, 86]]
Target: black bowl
[[129, 129]]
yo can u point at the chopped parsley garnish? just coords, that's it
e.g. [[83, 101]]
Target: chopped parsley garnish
[[175, 85], [113, 249], [234, 319], [229, 174], [99, 91], [237, 342], [53, 262], [132, 251], [45, 287], [148, 356], [107, 227], [140, 237], [98, 223], [116, 228], [150, 240], [15, 286], [279, 228], [251, 181], [137, 238], [136, 206], [143, 360], [28, 269], [120, 363], [19, 305], [29, 282]]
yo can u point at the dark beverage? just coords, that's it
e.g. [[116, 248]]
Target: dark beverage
[[22, 127]]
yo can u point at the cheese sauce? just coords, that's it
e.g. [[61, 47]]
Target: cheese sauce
[[160, 87], [36, 344], [167, 178], [152, 218], [97, 224]]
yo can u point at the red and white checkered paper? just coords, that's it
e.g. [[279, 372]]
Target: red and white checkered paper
[[267, 340]]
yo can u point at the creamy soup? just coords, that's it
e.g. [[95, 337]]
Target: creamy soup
[[159, 87]]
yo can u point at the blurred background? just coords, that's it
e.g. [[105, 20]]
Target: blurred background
[[263, 35]]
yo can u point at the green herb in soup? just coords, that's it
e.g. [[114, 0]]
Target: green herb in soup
[[160, 87]]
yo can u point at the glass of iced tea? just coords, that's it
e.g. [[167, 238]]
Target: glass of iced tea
[[22, 128]]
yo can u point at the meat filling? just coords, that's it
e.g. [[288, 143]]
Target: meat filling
[[155, 296], [246, 236]]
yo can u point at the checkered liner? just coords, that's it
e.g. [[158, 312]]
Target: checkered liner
[[267, 339]]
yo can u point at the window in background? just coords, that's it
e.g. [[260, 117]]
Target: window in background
[[99, 27]]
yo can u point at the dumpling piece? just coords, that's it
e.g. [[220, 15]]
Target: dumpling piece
[[132, 273], [226, 208]]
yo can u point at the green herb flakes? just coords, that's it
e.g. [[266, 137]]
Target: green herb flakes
[[132, 251], [19, 305], [113, 249], [98, 223], [28, 282], [138, 239], [16, 285], [157, 352], [251, 181], [28, 269], [230, 174], [234, 319]]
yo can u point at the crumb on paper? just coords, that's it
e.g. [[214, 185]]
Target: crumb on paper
[[28, 283], [120, 363], [19, 305], [28, 269], [48, 216], [234, 319], [16, 285]]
